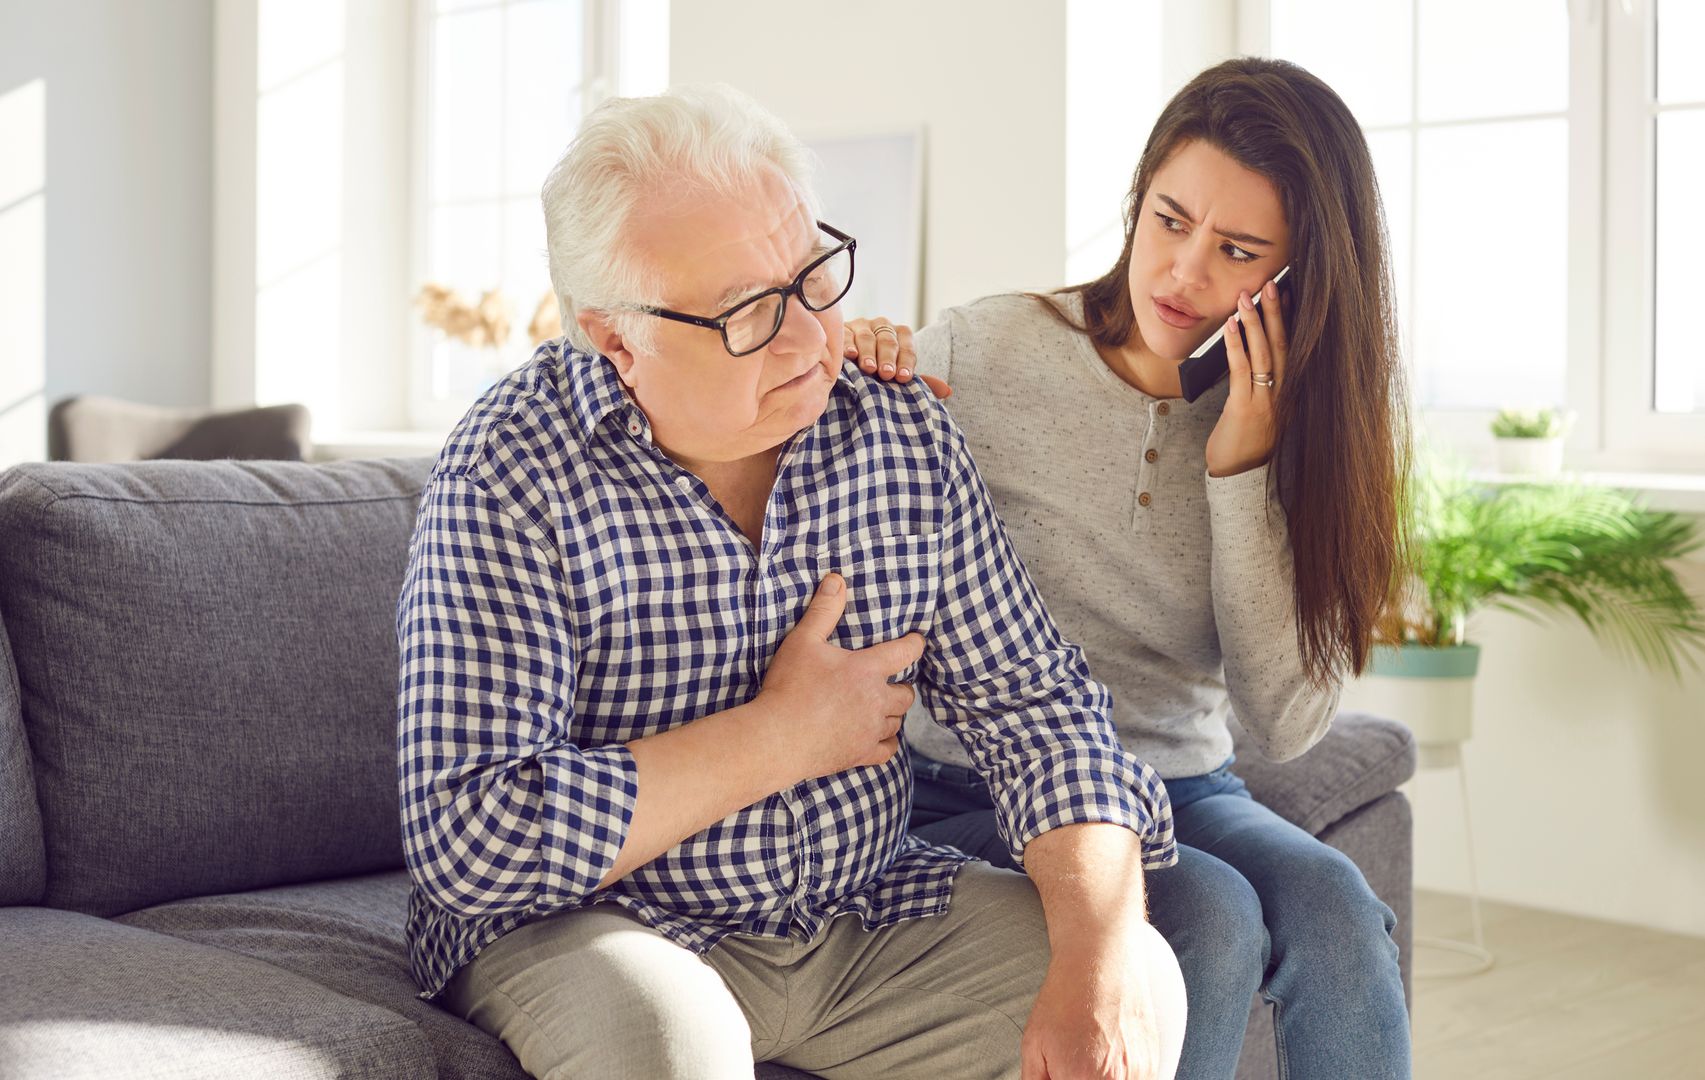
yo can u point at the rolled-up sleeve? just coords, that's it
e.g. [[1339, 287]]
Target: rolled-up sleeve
[[502, 810], [997, 673]]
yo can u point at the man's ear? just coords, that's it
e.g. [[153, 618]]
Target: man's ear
[[601, 329]]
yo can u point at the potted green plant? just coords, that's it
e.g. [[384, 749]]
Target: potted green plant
[[1565, 548], [1530, 441]]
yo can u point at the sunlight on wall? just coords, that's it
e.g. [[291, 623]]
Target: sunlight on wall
[[23, 272], [299, 177], [1113, 94]]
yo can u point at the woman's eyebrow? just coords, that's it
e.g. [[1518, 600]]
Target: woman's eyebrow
[[1242, 238]]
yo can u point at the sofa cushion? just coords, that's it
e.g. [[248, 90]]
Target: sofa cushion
[[348, 936], [345, 935], [1361, 758], [207, 660], [85, 997], [22, 870]]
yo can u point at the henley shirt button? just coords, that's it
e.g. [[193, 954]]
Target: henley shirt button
[[1152, 456], [635, 427], [1144, 499], [683, 483], [1163, 408]]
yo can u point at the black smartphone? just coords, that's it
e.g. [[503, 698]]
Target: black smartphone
[[1198, 373]]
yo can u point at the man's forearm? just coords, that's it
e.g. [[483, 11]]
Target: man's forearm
[[1090, 877], [693, 776]]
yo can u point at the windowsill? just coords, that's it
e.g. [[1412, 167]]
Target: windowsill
[[341, 445], [1677, 491]]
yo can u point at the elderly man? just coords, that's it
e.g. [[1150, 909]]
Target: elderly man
[[669, 592]]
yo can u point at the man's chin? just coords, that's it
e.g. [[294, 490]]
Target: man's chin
[[788, 410]]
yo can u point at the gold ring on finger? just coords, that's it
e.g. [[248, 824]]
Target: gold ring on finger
[[1263, 378], [889, 330]]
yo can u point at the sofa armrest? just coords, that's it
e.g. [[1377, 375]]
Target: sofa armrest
[[1361, 758], [85, 997]]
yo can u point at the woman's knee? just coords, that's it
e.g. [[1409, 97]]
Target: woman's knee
[[1340, 916], [1213, 919]]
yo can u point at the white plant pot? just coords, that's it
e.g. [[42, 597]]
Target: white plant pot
[[1431, 689], [1530, 457]]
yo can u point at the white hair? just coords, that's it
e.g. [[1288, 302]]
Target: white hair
[[694, 138]]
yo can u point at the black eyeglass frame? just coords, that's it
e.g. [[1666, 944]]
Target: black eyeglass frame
[[719, 323]]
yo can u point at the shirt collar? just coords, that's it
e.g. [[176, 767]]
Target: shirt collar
[[593, 390]]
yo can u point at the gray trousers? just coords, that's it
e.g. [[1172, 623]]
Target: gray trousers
[[596, 994]]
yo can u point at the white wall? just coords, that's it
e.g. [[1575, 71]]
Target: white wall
[[1584, 780], [987, 78], [124, 273]]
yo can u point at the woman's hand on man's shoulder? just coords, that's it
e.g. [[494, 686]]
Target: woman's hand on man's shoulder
[[885, 349]]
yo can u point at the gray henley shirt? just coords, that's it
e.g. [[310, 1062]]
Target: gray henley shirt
[[1177, 585]]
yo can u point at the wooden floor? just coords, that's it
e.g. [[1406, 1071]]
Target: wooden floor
[[1567, 999]]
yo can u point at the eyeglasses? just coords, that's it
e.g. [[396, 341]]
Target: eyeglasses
[[754, 322]]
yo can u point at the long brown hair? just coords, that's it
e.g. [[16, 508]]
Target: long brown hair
[[1342, 453]]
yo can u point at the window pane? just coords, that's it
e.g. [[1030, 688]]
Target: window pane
[[526, 272], [292, 37], [1514, 54], [466, 246], [297, 354], [644, 33], [467, 105], [544, 73], [466, 253], [299, 173], [1491, 246], [1113, 66], [1393, 152], [1362, 50], [1681, 30], [1678, 345]]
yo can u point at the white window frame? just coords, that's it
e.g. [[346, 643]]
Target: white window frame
[[1610, 285], [1636, 434], [601, 59]]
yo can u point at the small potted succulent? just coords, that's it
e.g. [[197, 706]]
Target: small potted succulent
[[1530, 441], [1565, 548]]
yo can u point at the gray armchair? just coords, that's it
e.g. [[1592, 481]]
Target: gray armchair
[[97, 429]]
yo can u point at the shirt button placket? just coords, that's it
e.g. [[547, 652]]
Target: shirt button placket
[[1158, 410]]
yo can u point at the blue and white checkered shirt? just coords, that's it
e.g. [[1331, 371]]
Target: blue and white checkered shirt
[[571, 589]]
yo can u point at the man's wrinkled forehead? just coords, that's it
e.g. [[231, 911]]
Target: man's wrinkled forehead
[[723, 246], [791, 241]]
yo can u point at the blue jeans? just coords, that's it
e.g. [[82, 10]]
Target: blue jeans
[[1253, 903]]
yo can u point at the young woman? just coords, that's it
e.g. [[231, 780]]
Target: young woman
[[1220, 558]]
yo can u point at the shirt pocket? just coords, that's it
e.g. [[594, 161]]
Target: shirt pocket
[[893, 583]]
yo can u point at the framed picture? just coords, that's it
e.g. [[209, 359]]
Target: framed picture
[[872, 185]]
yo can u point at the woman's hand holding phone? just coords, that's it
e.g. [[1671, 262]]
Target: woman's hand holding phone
[[1243, 438], [888, 356]]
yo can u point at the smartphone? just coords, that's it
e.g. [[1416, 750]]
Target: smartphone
[[1198, 373]]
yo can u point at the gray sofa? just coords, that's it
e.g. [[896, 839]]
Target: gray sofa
[[201, 864]]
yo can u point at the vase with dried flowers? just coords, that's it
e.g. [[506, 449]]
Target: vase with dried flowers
[[484, 325]]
